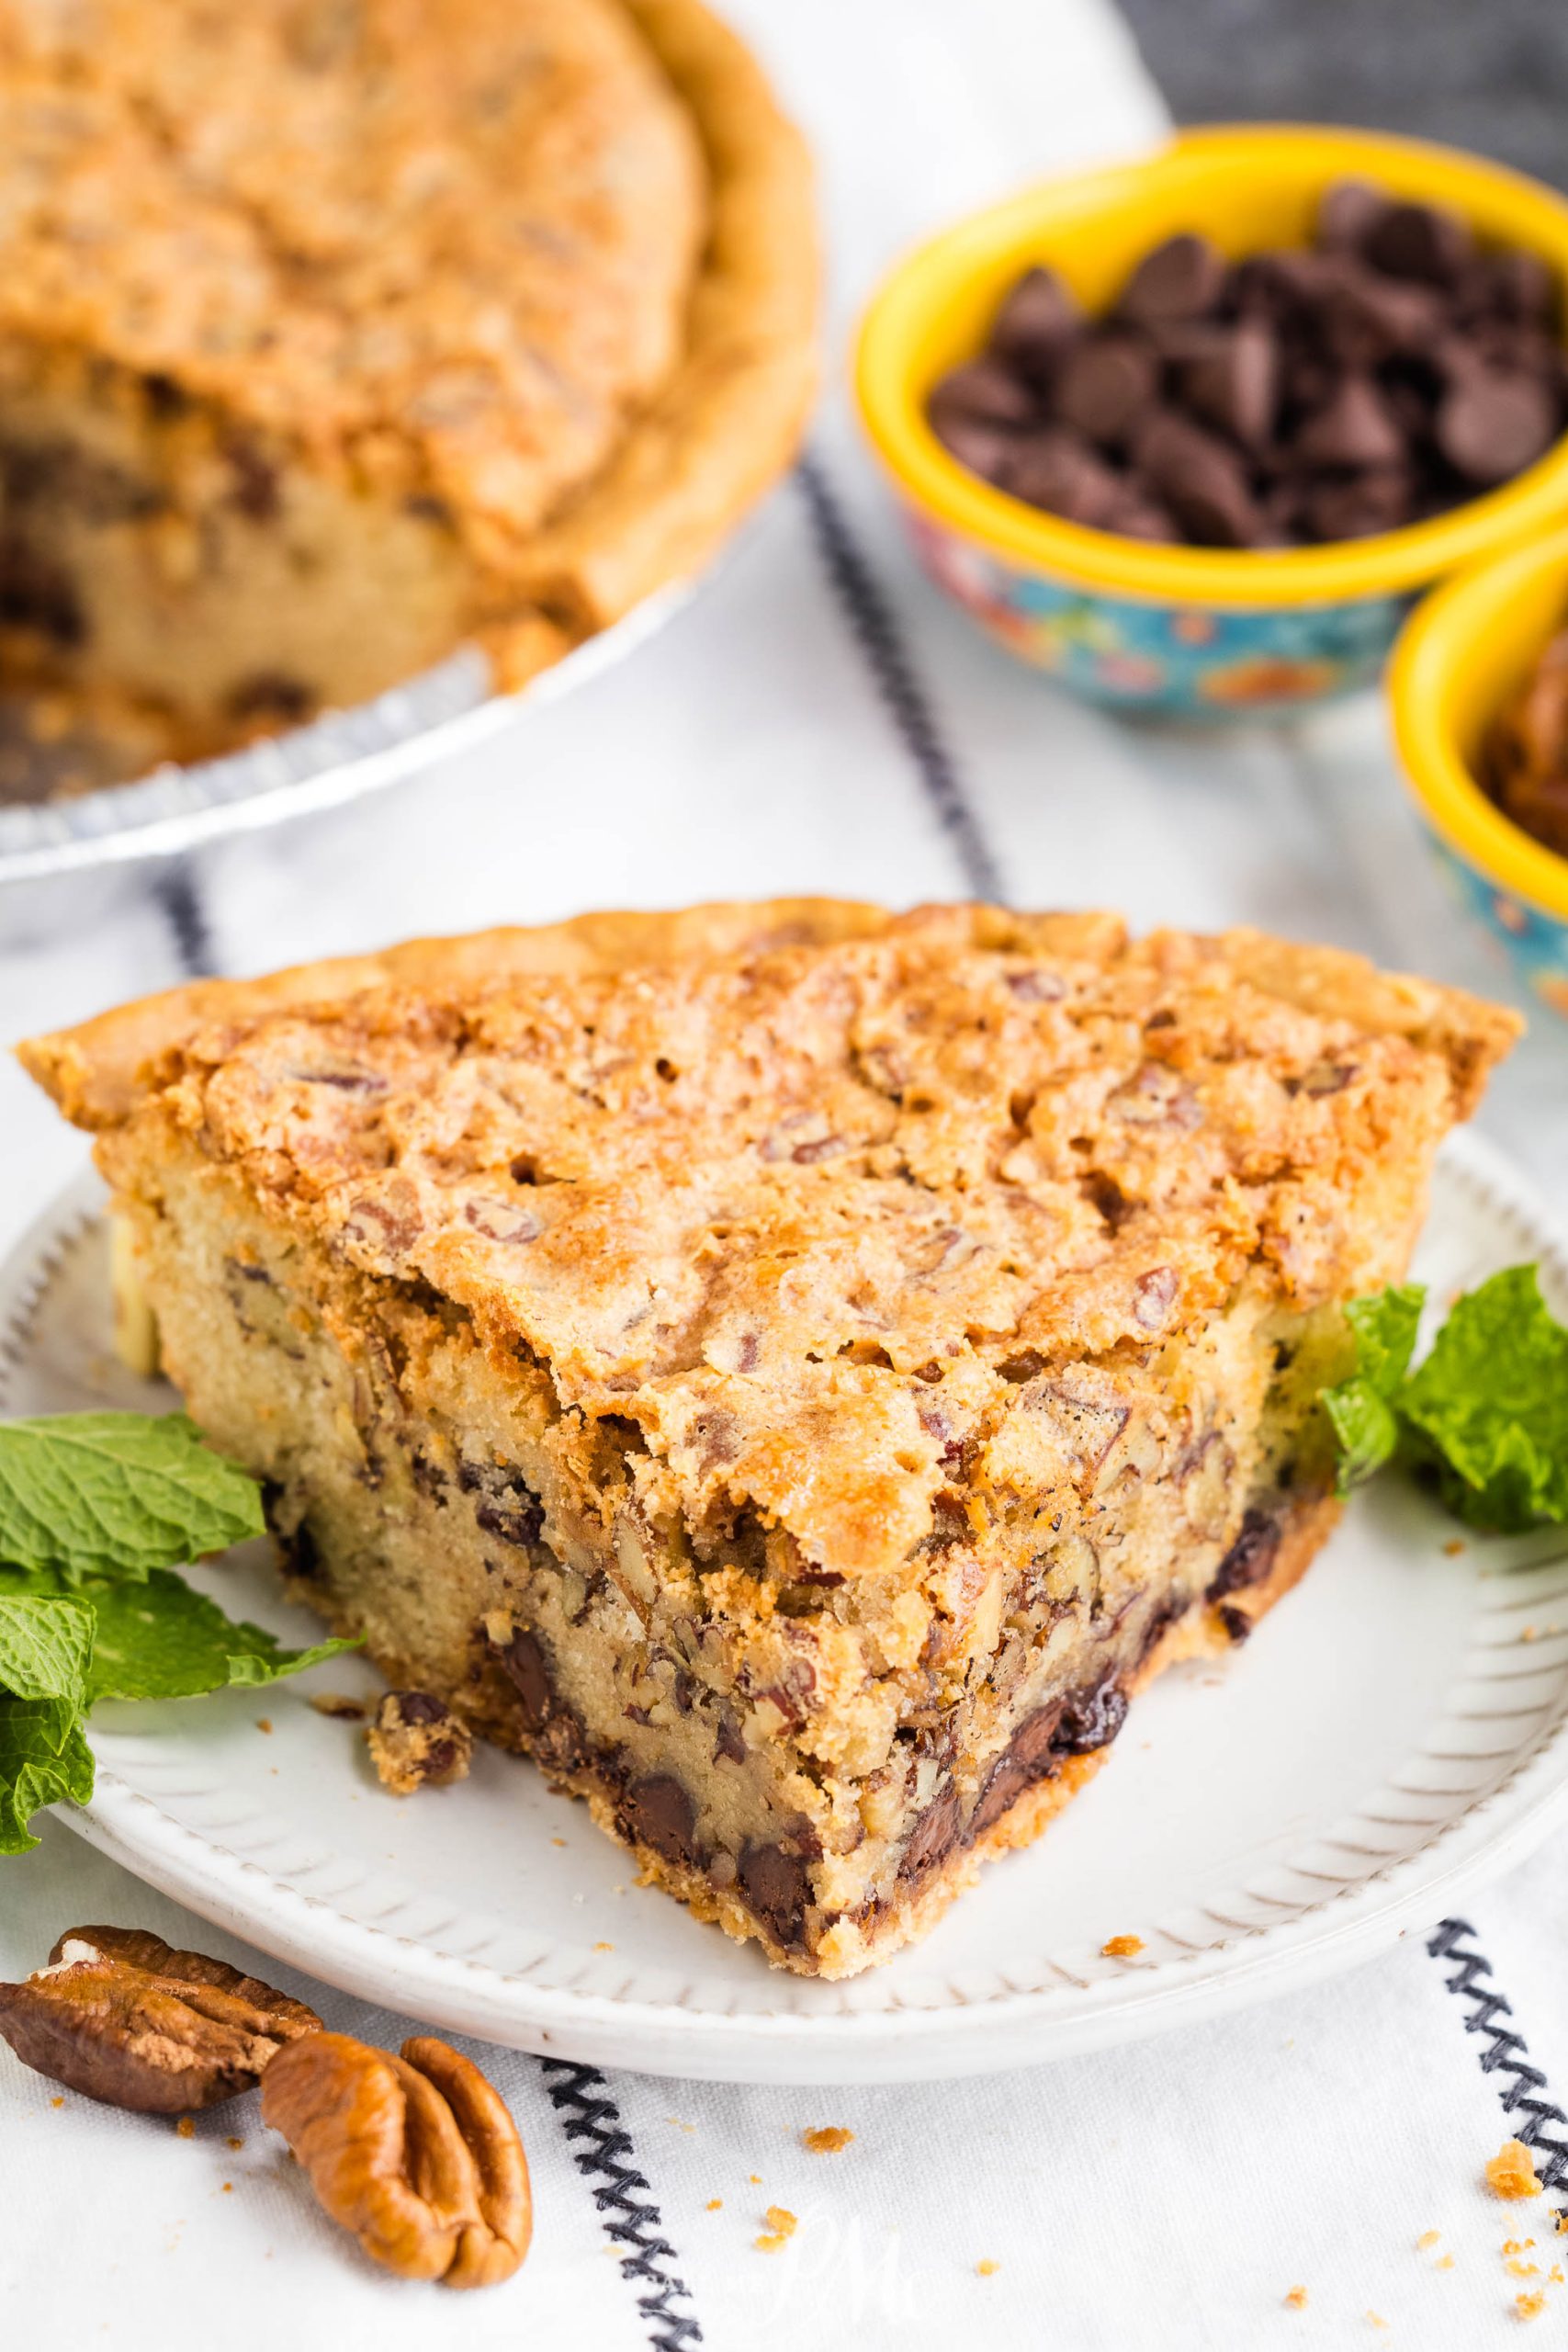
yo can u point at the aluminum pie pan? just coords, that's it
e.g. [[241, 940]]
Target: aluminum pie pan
[[339, 757]]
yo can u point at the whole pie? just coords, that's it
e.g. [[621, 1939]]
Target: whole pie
[[336, 333], [795, 1370]]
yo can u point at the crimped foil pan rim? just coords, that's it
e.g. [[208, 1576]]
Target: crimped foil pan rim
[[335, 759]]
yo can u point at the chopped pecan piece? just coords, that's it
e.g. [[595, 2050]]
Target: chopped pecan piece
[[418, 1743], [121, 2016], [417, 2155]]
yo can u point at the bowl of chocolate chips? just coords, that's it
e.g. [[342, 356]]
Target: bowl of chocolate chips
[[1191, 433], [1479, 691]]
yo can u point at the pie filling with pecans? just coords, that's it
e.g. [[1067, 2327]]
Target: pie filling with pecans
[[333, 336], [793, 1370]]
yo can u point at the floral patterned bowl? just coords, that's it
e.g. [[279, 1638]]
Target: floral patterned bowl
[[1182, 631], [1462, 654]]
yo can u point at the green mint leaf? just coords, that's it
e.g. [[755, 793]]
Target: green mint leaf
[[117, 1494], [164, 1640], [43, 1757], [1489, 1405], [1360, 1408], [1367, 1429], [46, 1644], [161, 1639], [1385, 1326]]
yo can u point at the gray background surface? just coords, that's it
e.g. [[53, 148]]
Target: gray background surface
[[1491, 74]]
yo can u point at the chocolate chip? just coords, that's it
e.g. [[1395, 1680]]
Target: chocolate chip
[[256, 491], [657, 1811], [1493, 426], [1422, 241], [1520, 284], [1250, 1557], [1355, 428], [1057, 468], [1202, 480], [1036, 322], [419, 1706], [987, 449], [1092, 1720], [1237, 1623], [1235, 384], [271, 694], [1379, 500], [1348, 211], [1180, 279], [983, 392], [933, 1838], [778, 1887], [1105, 386], [727, 1741], [37, 594], [522, 1661], [1030, 1756]]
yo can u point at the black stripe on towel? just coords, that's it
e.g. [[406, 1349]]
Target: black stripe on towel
[[1538, 2120], [602, 2151], [887, 657], [176, 894]]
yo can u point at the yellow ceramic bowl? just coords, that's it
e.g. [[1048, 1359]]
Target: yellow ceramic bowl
[[1461, 657], [1177, 629]]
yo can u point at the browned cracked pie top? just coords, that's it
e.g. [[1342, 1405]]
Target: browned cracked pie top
[[811, 1215]]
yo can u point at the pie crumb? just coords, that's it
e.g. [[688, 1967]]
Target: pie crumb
[[755, 2178], [1518, 2269], [1527, 1634], [1121, 1947], [1296, 2300], [603, 1947], [1518, 2245], [1530, 2306], [263, 1722], [1428, 2238], [781, 2226], [1454, 1548], [234, 2142], [558, 1841], [1444, 2262], [186, 2127], [986, 2267], [57, 2102], [338, 1702], [714, 2205], [1377, 2319], [1511, 2172], [228, 2188], [827, 2139]]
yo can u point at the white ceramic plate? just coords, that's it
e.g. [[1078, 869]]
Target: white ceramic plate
[[1394, 1731]]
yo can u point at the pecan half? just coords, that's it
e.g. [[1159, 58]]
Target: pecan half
[[123, 2017], [417, 2155]]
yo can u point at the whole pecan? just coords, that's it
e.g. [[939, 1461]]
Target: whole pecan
[[121, 2016], [417, 2155]]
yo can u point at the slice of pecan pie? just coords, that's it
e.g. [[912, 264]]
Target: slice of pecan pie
[[795, 1370], [334, 335]]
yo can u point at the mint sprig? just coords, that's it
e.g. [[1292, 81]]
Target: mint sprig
[[95, 1510], [1486, 1414]]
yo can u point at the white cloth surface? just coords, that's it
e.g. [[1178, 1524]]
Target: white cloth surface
[[1159, 2198]]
